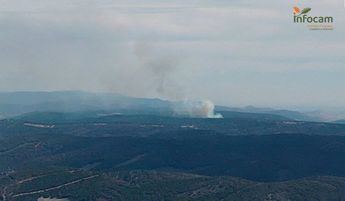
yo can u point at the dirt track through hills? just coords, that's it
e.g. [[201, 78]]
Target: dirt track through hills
[[5, 194], [16, 148], [55, 187]]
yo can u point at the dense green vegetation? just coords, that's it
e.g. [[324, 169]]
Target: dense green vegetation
[[82, 156], [169, 186], [261, 158]]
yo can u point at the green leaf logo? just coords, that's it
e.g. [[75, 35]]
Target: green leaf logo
[[305, 11]]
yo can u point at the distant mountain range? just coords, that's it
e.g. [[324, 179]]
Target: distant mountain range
[[340, 122], [18, 103], [294, 115]]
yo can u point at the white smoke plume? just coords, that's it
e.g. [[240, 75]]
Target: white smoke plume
[[196, 109], [162, 68]]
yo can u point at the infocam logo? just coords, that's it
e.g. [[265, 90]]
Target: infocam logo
[[313, 22]]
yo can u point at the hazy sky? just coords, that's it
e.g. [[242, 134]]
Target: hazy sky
[[229, 51]]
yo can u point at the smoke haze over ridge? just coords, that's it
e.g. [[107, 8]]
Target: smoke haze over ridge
[[211, 50]]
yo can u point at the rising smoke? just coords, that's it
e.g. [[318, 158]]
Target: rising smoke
[[196, 109], [162, 69]]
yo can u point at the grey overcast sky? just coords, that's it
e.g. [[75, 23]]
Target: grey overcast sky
[[232, 52]]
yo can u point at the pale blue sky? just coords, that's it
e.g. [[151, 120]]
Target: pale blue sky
[[231, 52]]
